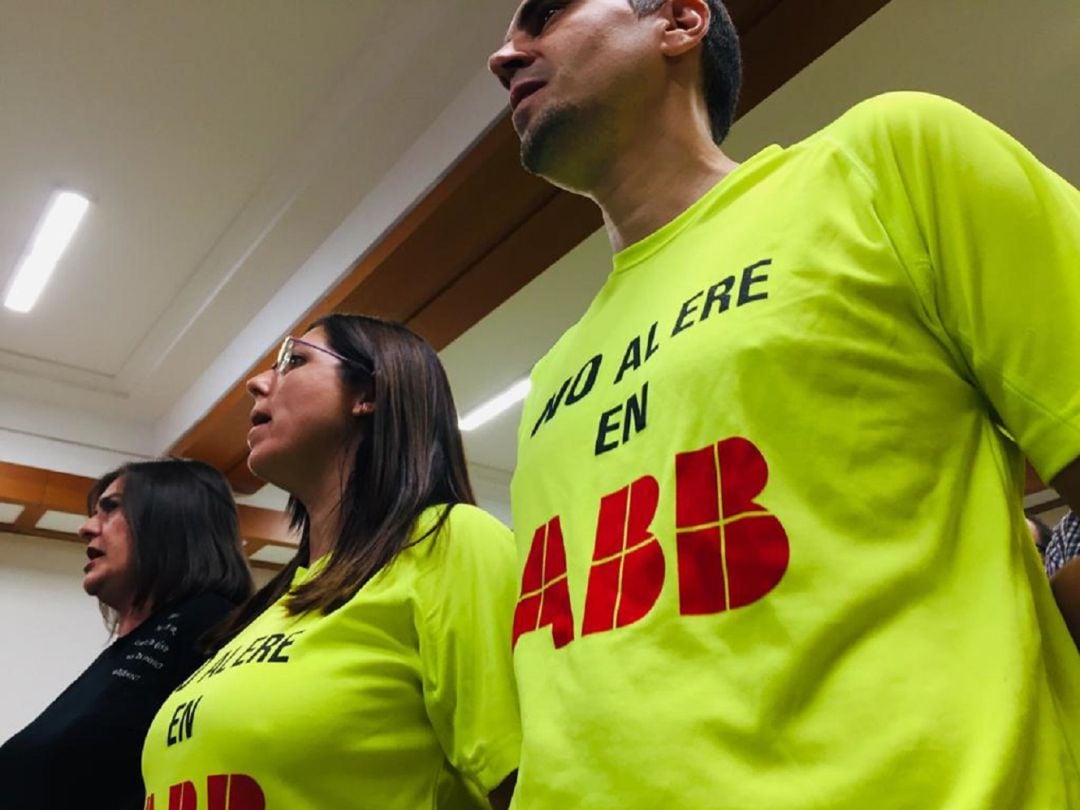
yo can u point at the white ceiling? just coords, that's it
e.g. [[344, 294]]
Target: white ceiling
[[172, 122], [242, 156], [222, 144]]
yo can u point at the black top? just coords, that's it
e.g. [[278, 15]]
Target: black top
[[85, 749]]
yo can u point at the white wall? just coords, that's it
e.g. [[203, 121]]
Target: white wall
[[50, 630]]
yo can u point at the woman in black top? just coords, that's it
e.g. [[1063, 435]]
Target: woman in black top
[[165, 562]]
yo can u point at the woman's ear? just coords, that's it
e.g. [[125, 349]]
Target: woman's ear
[[363, 407]]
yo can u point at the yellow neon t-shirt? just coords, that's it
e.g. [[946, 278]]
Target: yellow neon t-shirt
[[769, 524], [402, 698]]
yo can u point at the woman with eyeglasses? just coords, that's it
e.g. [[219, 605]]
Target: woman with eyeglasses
[[164, 560], [375, 670]]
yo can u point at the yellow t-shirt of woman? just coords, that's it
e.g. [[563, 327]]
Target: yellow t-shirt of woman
[[402, 698]]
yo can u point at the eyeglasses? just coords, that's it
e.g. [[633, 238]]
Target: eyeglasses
[[283, 364]]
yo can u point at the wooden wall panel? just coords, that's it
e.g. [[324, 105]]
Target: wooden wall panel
[[481, 214], [1032, 482], [565, 219], [746, 14], [790, 35]]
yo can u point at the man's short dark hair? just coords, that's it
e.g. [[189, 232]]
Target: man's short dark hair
[[721, 65]]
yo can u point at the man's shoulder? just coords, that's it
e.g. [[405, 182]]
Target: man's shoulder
[[897, 114], [893, 131]]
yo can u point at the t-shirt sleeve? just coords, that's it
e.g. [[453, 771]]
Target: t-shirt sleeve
[[466, 656], [991, 238]]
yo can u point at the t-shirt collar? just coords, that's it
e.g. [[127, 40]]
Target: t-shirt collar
[[727, 185]]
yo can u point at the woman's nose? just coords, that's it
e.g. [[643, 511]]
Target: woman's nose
[[89, 530], [259, 385]]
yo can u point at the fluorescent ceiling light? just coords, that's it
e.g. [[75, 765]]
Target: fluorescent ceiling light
[[484, 413], [51, 238]]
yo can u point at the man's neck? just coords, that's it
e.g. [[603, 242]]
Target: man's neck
[[654, 181]]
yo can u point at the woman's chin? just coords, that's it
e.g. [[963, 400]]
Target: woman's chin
[[256, 460], [91, 584], [262, 465]]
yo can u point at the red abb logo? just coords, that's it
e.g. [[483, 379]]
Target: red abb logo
[[731, 551], [223, 792]]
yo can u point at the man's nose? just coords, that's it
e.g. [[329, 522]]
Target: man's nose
[[507, 61]]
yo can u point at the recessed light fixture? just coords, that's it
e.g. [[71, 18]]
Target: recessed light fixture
[[51, 238], [484, 413]]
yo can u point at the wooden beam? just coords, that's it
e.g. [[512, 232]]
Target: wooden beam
[[264, 526], [1045, 506], [788, 35], [29, 517], [488, 228], [1032, 482], [36, 487], [564, 219], [242, 479], [67, 493], [47, 534], [23, 485], [747, 13], [39, 491]]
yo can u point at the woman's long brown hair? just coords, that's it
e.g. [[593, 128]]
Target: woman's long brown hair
[[411, 458]]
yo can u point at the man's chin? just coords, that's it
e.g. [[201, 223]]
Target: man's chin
[[560, 145], [520, 121], [540, 134]]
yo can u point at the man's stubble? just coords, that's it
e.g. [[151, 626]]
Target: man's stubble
[[568, 145]]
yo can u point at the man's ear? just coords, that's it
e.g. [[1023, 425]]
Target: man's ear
[[687, 23], [363, 407]]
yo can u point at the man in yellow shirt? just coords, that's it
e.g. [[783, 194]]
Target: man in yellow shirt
[[768, 490]]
